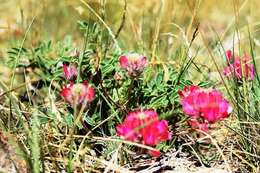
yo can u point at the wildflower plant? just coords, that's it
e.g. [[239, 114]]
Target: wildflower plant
[[101, 98], [112, 94], [243, 79]]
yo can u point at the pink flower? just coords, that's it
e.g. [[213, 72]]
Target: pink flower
[[145, 127], [187, 90], [217, 108], [234, 67], [187, 96], [156, 133], [70, 72], [77, 94], [133, 63], [208, 105], [131, 128]]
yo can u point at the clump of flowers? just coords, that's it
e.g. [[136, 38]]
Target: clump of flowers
[[236, 64], [133, 63], [203, 106], [77, 94], [145, 127], [70, 72]]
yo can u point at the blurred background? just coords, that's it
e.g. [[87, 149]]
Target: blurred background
[[164, 23]]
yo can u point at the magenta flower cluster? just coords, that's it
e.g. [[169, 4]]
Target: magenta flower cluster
[[79, 93], [239, 67], [203, 106], [133, 63], [144, 126]]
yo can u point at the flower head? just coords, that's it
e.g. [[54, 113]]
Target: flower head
[[208, 105], [133, 124], [217, 108], [133, 63], [70, 72], [145, 127], [77, 94], [237, 64]]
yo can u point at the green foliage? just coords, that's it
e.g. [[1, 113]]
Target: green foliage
[[97, 64]]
